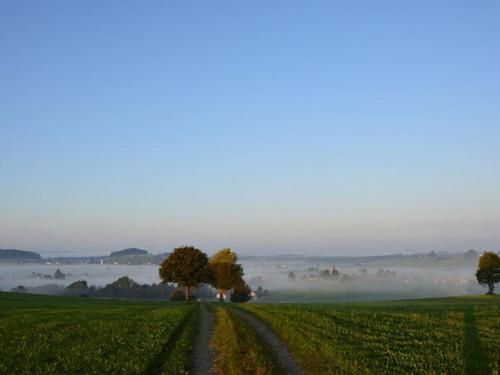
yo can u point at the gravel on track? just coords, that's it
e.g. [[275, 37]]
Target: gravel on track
[[203, 354], [280, 351]]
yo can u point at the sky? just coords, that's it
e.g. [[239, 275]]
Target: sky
[[283, 127]]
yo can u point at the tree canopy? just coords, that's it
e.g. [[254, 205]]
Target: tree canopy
[[187, 267], [489, 260], [241, 292], [488, 272], [225, 273], [225, 255]]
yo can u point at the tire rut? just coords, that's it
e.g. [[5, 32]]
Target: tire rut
[[203, 354], [279, 349]]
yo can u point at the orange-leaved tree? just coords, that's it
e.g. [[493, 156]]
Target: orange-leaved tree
[[488, 272], [225, 273]]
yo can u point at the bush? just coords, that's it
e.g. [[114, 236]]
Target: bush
[[241, 293]]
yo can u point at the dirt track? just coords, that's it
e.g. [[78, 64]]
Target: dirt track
[[280, 351], [203, 355]]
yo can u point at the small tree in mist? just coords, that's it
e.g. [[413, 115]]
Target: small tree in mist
[[79, 287], [488, 272], [187, 267]]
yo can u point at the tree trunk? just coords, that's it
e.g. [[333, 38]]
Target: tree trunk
[[186, 294], [221, 295], [491, 287]]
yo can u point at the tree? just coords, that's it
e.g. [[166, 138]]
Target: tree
[[224, 255], [77, 288], [59, 275], [471, 254], [241, 292], [122, 287], [325, 273], [225, 273], [488, 272], [260, 292], [187, 267], [225, 276], [78, 285]]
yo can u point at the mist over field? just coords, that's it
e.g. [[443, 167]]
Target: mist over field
[[315, 280], [287, 278]]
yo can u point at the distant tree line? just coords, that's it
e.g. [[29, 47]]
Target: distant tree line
[[125, 287], [57, 275]]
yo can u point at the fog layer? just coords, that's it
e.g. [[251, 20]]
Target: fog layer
[[286, 279]]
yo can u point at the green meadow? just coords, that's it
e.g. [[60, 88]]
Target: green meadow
[[428, 336], [58, 335]]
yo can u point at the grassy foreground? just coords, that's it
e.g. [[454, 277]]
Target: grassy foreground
[[57, 335], [433, 336]]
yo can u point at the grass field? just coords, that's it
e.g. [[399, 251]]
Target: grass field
[[434, 336], [56, 335]]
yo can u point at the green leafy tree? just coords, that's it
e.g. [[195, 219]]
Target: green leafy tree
[[187, 267], [488, 272], [77, 287], [122, 287]]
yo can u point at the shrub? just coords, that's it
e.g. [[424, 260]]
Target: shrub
[[241, 293]]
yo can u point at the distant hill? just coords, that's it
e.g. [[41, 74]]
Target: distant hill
[[130, 251], [14, 254]]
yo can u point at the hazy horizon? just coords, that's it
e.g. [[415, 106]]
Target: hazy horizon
[[48, 253], [270, 128]]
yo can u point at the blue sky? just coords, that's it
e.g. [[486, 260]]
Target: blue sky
[[269, 127]]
